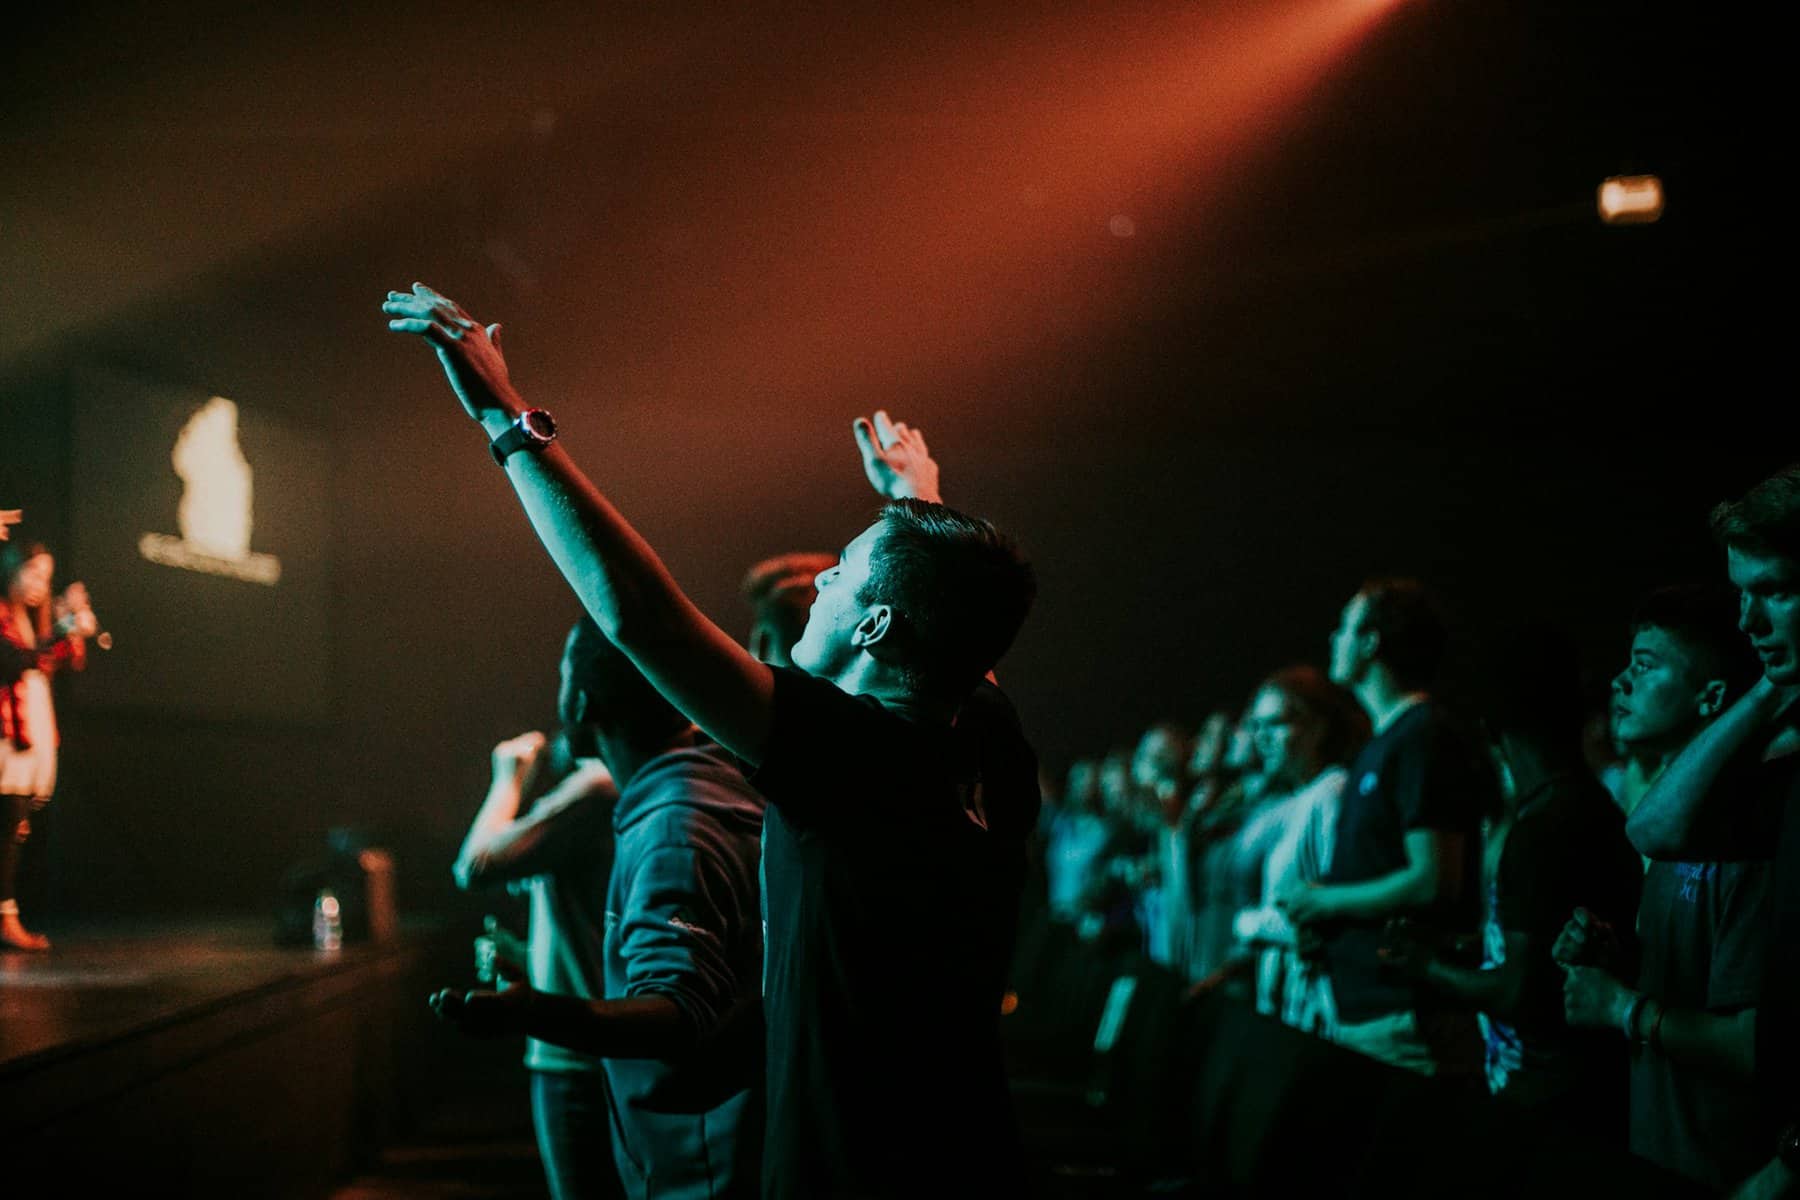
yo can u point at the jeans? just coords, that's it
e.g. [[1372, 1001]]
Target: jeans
[[574, 1135]]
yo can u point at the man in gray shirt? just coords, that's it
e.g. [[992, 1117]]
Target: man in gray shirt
[[682, 945]]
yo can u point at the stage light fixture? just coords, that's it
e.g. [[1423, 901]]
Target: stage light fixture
[[1631, 199]]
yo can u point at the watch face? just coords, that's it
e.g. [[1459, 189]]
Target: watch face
[[538, 424]]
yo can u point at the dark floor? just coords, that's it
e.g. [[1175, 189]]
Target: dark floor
[[472, 1137], [477, 1145]]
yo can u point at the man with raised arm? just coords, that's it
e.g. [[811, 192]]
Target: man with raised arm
[[901, 795]]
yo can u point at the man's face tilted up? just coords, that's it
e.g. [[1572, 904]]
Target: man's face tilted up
[[832, 640], [1768, 587], [1349, 655], [1660, 699]]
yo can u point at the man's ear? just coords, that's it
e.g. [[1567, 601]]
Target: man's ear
[[871, 633], [1712, 698], [580, 704]]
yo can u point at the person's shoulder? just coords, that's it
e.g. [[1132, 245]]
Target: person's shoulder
[[803, 697]]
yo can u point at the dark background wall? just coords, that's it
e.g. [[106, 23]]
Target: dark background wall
[[1372, 326]]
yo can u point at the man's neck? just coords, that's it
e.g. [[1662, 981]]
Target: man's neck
[[868, 677], [625, 752], [1385, 701]]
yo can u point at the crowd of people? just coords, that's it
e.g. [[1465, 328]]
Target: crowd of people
[[1593, 915], [775, 887]]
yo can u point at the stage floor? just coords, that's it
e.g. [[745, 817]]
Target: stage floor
[[201, 1060], [103, 982]]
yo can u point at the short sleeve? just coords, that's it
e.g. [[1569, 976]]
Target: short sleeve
[[1437, 784], [824, 745]]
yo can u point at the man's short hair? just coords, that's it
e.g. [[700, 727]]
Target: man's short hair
[[1704, 620], [1411, 634], [617, 691], [959, 589], [1765, 520]]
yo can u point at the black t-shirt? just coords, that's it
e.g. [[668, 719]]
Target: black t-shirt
[[1566, 850], [1778, 1039], [1421, 773], [1755, 817], [1766, 825], [894, 857], [1704, 928]]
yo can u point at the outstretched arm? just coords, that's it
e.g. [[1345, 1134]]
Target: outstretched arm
[[629, 1027], [617, 576]]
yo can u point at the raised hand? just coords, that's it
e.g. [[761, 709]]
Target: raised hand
[[517, 758], [468, 350], [896, 459], [75, 612]]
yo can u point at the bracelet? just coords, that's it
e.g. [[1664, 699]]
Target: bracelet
[[1662, 1010], [1631, 1015]]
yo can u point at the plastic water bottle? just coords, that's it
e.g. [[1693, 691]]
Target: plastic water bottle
[[328, 921]]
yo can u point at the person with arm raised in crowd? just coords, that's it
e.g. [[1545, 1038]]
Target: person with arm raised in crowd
[[897, 822]]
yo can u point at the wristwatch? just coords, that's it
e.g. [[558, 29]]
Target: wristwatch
[[533, 430]]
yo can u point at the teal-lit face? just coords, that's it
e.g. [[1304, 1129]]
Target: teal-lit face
[[1116, 792], [1081, 793], [1769, 610], [1348, 657], [829, 643], [1158, 758], [1658, 700], [1274, 728]]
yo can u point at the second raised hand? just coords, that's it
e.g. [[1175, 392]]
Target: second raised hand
[[896, 460], [468, 350]]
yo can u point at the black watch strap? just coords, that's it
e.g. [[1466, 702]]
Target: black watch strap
[[521, 435]]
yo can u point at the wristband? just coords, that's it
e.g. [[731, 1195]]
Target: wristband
[[534, 430], [1631, 1015]]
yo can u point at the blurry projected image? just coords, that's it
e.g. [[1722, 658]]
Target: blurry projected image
[[200, 525]]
